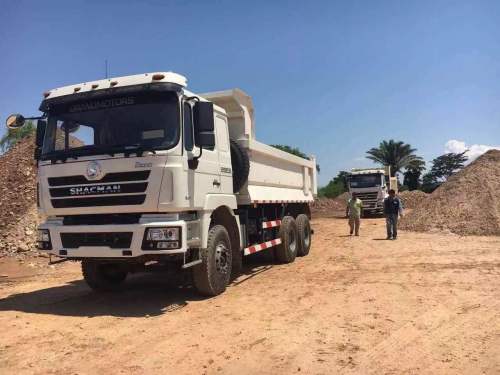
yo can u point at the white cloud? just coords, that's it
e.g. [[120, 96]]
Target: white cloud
[[473, 150]]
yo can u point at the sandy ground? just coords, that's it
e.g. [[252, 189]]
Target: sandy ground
[[424, 304]]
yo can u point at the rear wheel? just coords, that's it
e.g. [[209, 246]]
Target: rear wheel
[[304, 231], [287, 250], [212, 275], [101, 276]]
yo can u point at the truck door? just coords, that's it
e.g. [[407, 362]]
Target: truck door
[[222, 140], [205, 179]]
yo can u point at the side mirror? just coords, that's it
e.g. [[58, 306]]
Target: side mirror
[[203, 119], [15, 121], [206, 139]]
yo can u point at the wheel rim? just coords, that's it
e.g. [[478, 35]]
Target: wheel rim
[[292, 244], [307, 236], [221, 258]]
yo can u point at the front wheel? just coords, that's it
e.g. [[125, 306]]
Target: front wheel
[[212, 275], [102, 276]]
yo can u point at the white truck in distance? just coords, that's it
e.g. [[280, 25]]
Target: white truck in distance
[[371, 186], [136, 171]]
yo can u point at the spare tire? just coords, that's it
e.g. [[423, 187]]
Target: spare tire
[[240, 164]]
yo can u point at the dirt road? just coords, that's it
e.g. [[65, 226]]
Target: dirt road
[[424, 304]]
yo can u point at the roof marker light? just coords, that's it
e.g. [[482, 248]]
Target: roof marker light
[[46, 94], [76, 89], [95, 85], [158, 77], [113, 83]]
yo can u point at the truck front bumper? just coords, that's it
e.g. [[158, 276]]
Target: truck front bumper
[[129, 248]]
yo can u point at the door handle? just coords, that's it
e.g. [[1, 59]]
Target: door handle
[[216, 183]]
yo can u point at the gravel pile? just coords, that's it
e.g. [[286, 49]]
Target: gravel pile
[[412, 199], [467, 204], [18, 213], [329, 206]]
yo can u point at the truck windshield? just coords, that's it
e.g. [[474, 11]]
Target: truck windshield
[[365, 180], [145, 121]]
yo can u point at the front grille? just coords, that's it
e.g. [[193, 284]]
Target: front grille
[[367, 196], [110, 177], [101, 219], [121, 200], [114, 240], [105, 192]]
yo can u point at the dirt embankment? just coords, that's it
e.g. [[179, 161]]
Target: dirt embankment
[[18, 213], [467, 204]]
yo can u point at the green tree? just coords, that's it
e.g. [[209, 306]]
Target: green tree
[[442, 168], [294, 151], [12, 136], [445, 165], [412, 174], [335, 187], [396, 154]]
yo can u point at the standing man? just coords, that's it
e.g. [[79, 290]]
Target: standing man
[[353, 211], [392, 209]]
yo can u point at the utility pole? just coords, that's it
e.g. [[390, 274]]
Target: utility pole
[[106, 67]]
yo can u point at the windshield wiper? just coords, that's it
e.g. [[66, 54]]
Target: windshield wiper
[[135, 148], [88, 150]]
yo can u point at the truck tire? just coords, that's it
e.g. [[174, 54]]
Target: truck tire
[[287, 250], [102, 276], [240, 164], [304, 231], [212, 275]]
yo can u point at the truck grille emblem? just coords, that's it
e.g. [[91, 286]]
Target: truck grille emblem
[[93, 170]]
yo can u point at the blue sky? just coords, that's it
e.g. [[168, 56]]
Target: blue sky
[[333, 78]]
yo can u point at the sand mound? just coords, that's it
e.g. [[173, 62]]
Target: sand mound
[[325, 206], [412, 199], [18, 213], [467, 204]]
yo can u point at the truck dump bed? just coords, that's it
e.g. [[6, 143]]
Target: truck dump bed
[[275, 176]]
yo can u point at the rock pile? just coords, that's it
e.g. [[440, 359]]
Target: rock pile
[[467, 204], [18, 213], [412, 199]]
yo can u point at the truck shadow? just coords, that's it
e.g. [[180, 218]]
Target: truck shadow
[[142, 295]]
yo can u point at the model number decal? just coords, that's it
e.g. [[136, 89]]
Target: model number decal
[[225, 170], [138, 164]]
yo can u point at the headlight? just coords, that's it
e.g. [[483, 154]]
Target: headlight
[[43, 235], [163, 234], [162, 238], [43, 239]]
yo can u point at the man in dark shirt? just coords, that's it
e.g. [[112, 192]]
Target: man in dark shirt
[[392, 209]]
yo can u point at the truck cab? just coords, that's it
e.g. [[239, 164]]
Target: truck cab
[[371, 186], [137, 169]]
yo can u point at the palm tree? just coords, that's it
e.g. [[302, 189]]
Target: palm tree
[[395, 154]]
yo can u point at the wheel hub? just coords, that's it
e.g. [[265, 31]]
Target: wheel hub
[[221, 255]]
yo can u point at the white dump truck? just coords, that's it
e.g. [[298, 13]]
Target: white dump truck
[[371, 185], [136, 171]]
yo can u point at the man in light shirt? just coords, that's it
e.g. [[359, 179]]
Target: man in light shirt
[[354, 211]]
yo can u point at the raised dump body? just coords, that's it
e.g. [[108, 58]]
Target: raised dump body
[[275, 176]]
